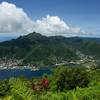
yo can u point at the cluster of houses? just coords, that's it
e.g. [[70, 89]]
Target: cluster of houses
[[84, 60], [15, 64]]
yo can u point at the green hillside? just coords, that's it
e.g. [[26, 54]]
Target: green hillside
[[37, 49]]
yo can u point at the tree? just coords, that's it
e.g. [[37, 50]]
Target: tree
[[67, 78]]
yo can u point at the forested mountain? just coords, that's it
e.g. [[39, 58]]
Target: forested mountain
[[37, 49]]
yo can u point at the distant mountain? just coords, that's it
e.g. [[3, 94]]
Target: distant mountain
[[37, 49]]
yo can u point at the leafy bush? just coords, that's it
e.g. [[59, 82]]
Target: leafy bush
[[67, 78], [64, 78], [20, 89], [4, 88]]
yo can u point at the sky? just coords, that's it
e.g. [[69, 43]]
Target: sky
[[49, 17]]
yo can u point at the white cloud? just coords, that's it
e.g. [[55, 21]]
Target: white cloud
[[53, 25], [15, 20]]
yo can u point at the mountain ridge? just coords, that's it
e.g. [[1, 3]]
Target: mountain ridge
[[37, 49]]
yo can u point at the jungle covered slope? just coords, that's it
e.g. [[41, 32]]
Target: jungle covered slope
[[37, 49]]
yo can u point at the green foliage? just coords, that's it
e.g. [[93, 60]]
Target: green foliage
[[69, 78], [91, 48], [20, 88], [42, 51], [4, 88]]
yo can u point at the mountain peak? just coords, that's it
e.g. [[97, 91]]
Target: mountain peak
[[32, 36]]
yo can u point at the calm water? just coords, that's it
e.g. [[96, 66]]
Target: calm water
[[5, 74]]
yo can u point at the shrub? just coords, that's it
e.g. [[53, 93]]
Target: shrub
[[67, 78], [4, 88]]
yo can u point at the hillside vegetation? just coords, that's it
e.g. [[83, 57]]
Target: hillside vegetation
[[66, 83], [40, 50]]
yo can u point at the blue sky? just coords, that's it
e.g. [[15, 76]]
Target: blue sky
[[84, 14]]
